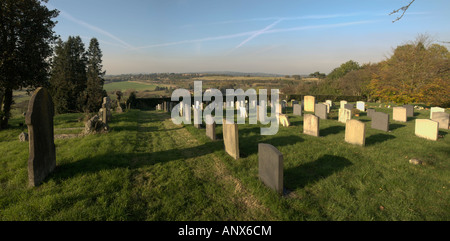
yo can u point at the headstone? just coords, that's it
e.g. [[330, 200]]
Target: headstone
[[187, 113], [320, 111], [310, 102], [23, 137], [380, 121], [329, 102], [427, 129], [409, 110], [39, 119], [283, 120], [243, 112], [435, 109], [360, 105], [270, 167], [348, 106], [197, 118], [311, 125], [328, 107], [355, 132], [211, 128], [442, 118], [370, 112], [297, 110], [399, 114], [344, 115], [231, 139], [342, 104]]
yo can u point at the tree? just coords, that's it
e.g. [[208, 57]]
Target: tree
[[26, 38], [95, 77], [317, 74], [342, 70], [416, 72], [404, 9], [68, 76]]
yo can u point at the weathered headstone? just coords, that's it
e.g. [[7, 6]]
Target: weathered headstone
[[320, 111], [328, 107], [370, 112], [399, 114], [39, 119], [211, 128], [355, 132], [380, 121], [329, 102], [310, 102], [297, 110], [360, 105], [342, 104], [23, 137], [427, 129], [243, 112], [311, 125], [283, 120], [435, 109], [344, 115], [442, 118], [271, 167], [231, 139], [197, 118], [409, 110], [187, 113]]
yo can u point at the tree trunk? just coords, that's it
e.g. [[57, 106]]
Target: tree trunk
[[7, 103]]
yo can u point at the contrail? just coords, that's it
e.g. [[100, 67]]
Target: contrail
[[267, 30], [94, 28], [259, 33]]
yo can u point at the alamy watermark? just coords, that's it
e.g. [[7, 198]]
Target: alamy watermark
[[181, 113]]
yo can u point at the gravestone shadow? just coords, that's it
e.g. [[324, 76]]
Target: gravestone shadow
[[332, 130], [395, 126], [301, 176], [378, 138]]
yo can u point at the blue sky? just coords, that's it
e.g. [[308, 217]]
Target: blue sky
[[284, 37]]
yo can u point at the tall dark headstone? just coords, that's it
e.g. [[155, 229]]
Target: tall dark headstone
[[39, 119], [370, 112], [380, 121], [270, 167]]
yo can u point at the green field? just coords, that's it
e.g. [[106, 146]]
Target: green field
[[148, 168]]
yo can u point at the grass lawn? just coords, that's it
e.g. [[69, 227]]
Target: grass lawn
[[147, 168]]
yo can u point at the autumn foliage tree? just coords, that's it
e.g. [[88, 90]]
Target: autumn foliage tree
[[416, 72]]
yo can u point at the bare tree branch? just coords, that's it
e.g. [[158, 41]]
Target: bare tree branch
[[404, 9]]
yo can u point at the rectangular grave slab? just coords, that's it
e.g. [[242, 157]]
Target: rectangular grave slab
[[39, 119], [399, 114], [271, 167], [442, 118], [310, 102], [435, 109], [210, 128], [427, 129], [360, 105], [380, 121], [321, 111], [349, 106], [231, 139], [311, 125], [344, 115], [355, 132], [409, 110], [297, 110]]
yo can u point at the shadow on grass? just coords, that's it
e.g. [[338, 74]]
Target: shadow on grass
[[395, 126], [378, 138], [301, 176], [332, 130]]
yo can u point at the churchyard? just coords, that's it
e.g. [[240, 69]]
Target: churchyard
[[148, 168]]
